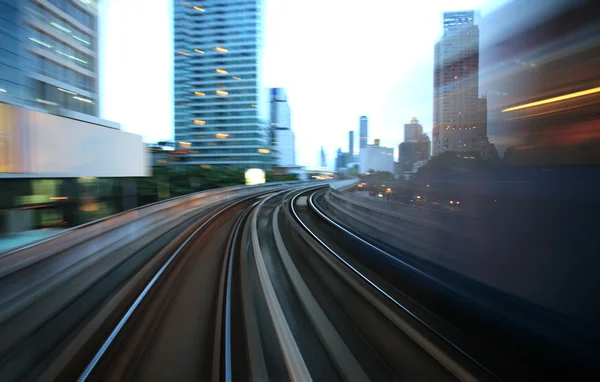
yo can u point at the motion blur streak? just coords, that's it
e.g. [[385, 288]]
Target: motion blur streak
[[554, 99]]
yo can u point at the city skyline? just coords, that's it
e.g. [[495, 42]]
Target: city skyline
[[390, 88]]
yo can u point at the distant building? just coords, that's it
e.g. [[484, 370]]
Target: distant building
[[340, 159], [323, 161], [460, 116], [363, 132], [284, 142], [413, 152], [351, 143], [413, 131], [377, 158], [299, 171]]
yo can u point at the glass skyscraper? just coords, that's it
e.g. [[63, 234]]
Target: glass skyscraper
[[219, 100], [49, 56], [459, 115]]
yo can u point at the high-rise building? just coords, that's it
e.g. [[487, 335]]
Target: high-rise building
[[411, 153], [50, 57], [57, 157], [220, 105], [459, 115], [351, 144], [363, 132], [412, 131], [284, 143]]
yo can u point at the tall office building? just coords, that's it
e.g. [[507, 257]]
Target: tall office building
[[413, 131], [351, 144], [459, 115], [50, 56], [59, 162], [363, 132], [416, 148], [220, 106], [284, 143]]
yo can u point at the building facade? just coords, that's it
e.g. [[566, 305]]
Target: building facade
[[284, 141], [220, 105], [459, 114], [413, 131], [60, 164], [363, 137], [413, 152], [50, 57]]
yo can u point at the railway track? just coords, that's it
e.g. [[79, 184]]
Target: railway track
[[257, 289]]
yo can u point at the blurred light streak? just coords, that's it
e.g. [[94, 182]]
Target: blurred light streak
[[199, 122], [40, 42], [198, 8], [554, 99], [46, 102], [221, 92], [67, 91], [221, 135], [58, 26], [236, 78], [222, 71], [199, 93], [2, 90], [199, 51], [183, 53], [83, 99], [221, 49], [264, 151], [80, 39], [59, 198], [72, 57]]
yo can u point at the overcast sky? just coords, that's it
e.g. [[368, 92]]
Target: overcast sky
[[338, 60]]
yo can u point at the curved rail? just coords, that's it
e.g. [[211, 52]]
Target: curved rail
[[105, 346], [294, 361], [448, 362]]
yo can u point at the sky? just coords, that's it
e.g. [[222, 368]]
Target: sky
[[337, 59]]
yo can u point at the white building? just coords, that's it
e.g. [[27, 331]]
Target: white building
[[284, 141], [377, 158]]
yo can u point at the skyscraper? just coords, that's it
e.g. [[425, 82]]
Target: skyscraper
[[283, 137], [412, 131], [220, 106], [363, 132], [351, 144], [50, 58], [52, 143], [459, 115], [416, 148]]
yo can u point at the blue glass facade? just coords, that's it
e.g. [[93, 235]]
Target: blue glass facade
[[15, 86], [219, 99], [48, 55]]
